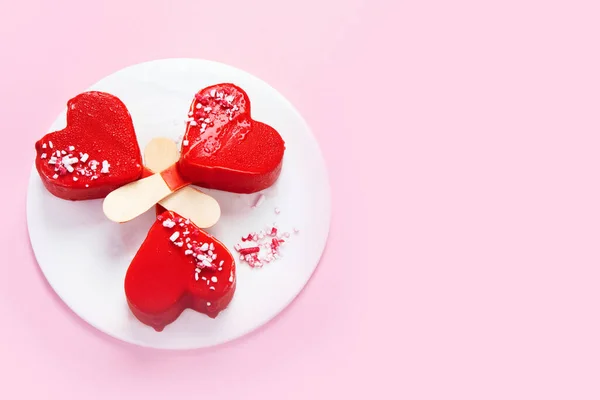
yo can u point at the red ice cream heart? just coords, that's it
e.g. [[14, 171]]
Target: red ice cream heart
[[224, 148], [178, 266], [95, 154]]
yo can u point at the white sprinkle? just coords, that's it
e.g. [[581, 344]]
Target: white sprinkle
[[71, 148], [214, 256], [190, 114], [221, 263], [43, 155], [168, 223], [196, 276], [179, 244], [203, 278], [94, 165], [187, 240], [212, 93], [242, 258], [52, 160], [44, 146], [214, 279], [94, 177], [235, 108], [174, 237], [212, 288], [186, 232], [204, 247], [208, 303], [277, 210], [207, 120], [63, 152], [207, 109], [188, 252], [186, 142], [198, 106], [55, 176], [86, 185], [57, 153], [220, 95], [212, 246], [105, 167], [203, 126], [206, 263], [220, 269], [75, 179], [207, 282], [193, 123], [187, 222], [229, 98], [84, 157], [189, 246], [230, 278], [50, 144], [210, 253], [69, 168]]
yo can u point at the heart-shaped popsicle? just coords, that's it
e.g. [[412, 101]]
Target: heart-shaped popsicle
[[202, 209], [178, 266], [223, 148], [94, 154]]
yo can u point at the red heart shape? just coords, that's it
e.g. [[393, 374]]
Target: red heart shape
[[97, 151], [178, 266], [224, 148]]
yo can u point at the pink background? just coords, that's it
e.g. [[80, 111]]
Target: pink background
[[462, 141]]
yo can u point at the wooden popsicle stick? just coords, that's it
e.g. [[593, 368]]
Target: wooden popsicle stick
[[202, 209], [135, 198], [160, 154]]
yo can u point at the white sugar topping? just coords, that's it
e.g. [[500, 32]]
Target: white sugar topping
[[168, 223], [105, 167]]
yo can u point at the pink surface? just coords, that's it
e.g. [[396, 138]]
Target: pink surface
[[467, 133]]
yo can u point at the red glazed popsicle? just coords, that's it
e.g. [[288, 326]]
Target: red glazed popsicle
[[178, 266], [224, 148], [95, 154]]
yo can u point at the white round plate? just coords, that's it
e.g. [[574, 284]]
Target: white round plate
[[85, 256]]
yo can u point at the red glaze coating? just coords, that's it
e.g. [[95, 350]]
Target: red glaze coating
[[232, 152], [173, 178], [99, 125], [160, 282]]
